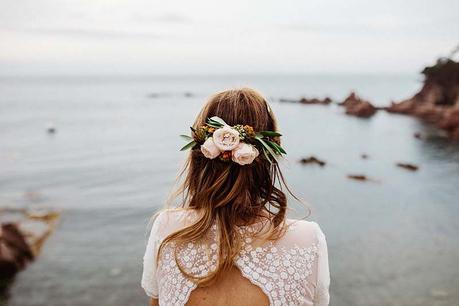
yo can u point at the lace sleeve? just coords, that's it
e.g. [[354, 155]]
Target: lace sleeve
[[322, 296], [149, 282]]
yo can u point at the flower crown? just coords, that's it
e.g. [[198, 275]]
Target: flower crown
[[239, 143]]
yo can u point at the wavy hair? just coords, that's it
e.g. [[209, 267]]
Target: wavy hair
[[228, 194]]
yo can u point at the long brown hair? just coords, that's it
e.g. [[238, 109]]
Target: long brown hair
[[228, 194]]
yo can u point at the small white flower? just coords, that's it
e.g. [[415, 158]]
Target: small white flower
[[209, 149]]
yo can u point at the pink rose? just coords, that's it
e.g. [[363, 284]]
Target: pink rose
[[244, 154], [209, 149], [226, 138]]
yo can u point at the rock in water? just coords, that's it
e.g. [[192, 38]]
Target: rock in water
[[438, 100], [356, 106], [15, 254], [406, 166], [22, 234], [324, 101], [303, 100], [15, 251], [358, 177], [313, 160]]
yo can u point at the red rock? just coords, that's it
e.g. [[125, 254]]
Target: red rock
[[15, 253], [438, 100], [454, 134], [404, 107], [356, 106], [358, 177], [304, 100], [313, 160], [406, 166], [450, 119], [364, 110], [428, 112], [22, 234], [324, 101], [352, 99]]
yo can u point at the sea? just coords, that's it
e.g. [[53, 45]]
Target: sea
[[114, 159]]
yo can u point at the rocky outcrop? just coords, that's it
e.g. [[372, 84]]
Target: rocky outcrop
[[407, 166], [22, 234], [358, 177], [312, 160], [15, 252], [303, 100], [438, 100], [324, 101], [356, 106]]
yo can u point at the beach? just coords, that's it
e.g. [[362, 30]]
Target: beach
[[114, 155]]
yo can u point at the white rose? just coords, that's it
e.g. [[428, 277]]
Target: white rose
[[244, 154], [209, 149], [226, 138]]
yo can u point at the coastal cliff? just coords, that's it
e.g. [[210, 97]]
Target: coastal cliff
[[22, 234], [438, 100]]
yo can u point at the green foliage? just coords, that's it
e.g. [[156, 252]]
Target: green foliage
[[189, 145], [263, 140]]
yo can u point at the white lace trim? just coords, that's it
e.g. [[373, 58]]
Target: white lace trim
[[280, 272]]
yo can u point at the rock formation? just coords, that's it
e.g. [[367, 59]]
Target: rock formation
[[438, 100], [22, 234], [312, 160], [324, 101], [303, 100], [15, 252], [407, 166], [356, 106], [358, 177]]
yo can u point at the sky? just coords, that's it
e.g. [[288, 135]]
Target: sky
[[224, 37]]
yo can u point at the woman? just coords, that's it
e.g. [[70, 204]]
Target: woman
[[230, 242]]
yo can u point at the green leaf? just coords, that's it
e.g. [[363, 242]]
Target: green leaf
[[267, 156], [186, 137], [270, 134], [218, 120], [272, 146], [188, 145], [214, 125], [277, 147], [268, 148]]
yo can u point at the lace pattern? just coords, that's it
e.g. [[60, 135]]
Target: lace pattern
[[281, 273], [286, 273]]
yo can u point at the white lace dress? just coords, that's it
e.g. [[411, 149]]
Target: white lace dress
[[291, 271]]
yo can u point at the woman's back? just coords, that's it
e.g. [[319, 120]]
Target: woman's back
[[292, 270], [232, 177]]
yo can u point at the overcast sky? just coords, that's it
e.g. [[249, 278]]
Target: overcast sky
[[218, 37]]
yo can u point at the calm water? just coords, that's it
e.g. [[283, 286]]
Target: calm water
[[114, 158]]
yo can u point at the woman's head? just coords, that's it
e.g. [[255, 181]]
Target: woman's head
[[227, 193], [239, 106]]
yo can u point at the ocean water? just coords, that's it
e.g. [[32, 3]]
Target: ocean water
[[393, 240]]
